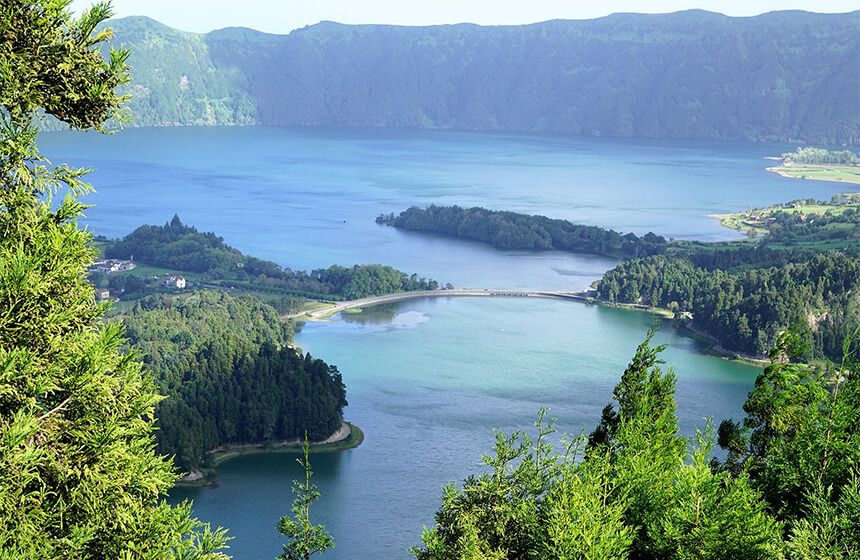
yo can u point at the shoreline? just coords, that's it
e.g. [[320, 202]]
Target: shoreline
[[356, 305], [712, 348], [348, 436], [715, 350], [798, 170]]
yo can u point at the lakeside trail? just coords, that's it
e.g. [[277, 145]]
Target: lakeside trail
[[334, 308], [726, 353]]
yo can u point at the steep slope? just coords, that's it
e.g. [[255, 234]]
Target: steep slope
[[782, 76]]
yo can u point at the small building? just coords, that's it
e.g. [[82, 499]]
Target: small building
[[175, 282], [113, 265], [102, 294]]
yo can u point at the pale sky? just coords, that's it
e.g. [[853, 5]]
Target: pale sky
[[282, 16]]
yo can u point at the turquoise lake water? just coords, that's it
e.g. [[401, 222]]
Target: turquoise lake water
[[429, 380]]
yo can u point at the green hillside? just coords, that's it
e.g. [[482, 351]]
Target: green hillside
[[783, 76]]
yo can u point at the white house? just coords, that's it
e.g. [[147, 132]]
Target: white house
[[175, 282]]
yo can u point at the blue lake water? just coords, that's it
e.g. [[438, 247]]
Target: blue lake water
[[429, 380]]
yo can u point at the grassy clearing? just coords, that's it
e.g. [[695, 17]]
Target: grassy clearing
[[741, 222], [820, 173], [144, 271]]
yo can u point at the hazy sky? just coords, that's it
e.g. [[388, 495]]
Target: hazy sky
[[282, 16]]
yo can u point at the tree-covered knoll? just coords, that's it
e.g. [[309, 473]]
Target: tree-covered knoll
[[637, 489], [746, 308], [230, 376], [782, 76], [510, 230], [79, 477], [181, 247], [744, 294]]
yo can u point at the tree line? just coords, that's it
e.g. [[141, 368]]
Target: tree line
[[230, 375], [510, 230], [636, 488], [803, 272], [820, 156], [745, 308]]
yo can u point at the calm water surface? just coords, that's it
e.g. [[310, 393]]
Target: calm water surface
[[307, 198], [429, 380]]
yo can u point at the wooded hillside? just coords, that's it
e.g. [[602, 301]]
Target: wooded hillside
[[225, 365], [782, 76]]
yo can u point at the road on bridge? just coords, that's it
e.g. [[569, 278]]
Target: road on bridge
[[334, 308]]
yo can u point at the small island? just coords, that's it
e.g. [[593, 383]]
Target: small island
[[820, 164]]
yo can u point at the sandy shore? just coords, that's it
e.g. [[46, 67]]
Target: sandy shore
[[341, 434]]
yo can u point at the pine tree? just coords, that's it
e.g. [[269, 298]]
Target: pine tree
[[78, 474], [305, 539]]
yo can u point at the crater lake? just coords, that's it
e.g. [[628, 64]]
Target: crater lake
[[428, 380]]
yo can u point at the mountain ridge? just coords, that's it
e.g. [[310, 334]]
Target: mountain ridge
[[786, 76]]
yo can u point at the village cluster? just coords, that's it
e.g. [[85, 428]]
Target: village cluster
[[108, 266]]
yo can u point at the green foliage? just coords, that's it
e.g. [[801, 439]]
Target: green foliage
[[305, 539], [800, 445], [638, 493], [78, 475], [508, 230], [230, 375], [744, 298], [820, 156], [52, 64], [830, 530], [178, 246]]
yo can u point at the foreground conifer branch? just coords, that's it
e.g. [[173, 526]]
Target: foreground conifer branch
[[78, 474], [635, 488]]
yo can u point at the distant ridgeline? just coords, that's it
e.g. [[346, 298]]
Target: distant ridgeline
[[181, 247], [510, 230], [782, 76], [225, 365]]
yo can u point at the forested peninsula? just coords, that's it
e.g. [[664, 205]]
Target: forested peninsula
[[804, 271], [230, 375], [782, 76], [743, 294], [176, 246], [510, 230]]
